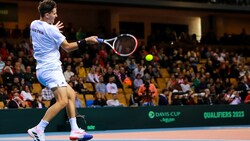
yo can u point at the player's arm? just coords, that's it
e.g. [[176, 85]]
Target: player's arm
[[68, 47]]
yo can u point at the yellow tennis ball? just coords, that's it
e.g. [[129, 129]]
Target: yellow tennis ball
[[149, 57]]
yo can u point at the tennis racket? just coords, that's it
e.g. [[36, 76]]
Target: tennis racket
[[123, 45]]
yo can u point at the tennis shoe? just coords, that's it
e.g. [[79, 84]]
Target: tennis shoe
[[36, 134], [80, 135]]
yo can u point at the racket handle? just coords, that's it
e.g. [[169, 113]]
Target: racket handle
[[100, 40]]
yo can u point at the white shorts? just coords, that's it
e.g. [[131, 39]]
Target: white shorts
[[51, 78]]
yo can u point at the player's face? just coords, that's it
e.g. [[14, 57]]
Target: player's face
[[52, 16]]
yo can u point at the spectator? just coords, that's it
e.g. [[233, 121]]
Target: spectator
[[23, 83], [193, 60], [68, 62], [2, 64], [117, 73], [8, 77], [16, 83], [4, 50], [139, 69], [111, 86], [81, 72], [26, 94], [101, 87], [235, 98], [165, 97], [109, 74], [92, 76], [172, 83], [219, 86], [29, 76], [114, 101], [18, 73], [103, 53], [80, 87], [150, 72], [47, 94], [31, 62], [148, 92], [99, 70], [98, 61], [132, 64], [247, 99], [127, 69], [16, 102], [137, 81], [20, 64], [203, 85], [68, 73], [243, 87], [3, 95], [99, 100], [204, 97], [123, 74], [38, 102], [185, 86], [135, 99], [9, 65]]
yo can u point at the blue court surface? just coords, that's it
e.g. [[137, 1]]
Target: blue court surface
[[228, 133]]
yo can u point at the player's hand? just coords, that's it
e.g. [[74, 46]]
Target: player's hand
[[91, 40], [59, 25]]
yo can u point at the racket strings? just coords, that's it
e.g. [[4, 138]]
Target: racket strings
[[125, 45]]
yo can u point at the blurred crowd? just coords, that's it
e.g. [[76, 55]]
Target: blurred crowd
[[184, 71]]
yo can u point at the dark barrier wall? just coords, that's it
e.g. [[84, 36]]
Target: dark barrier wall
[[19, 120], [165, 117], [109, 118]]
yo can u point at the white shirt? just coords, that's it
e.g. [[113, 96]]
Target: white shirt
[[185, 87], [92, 78], [46, 40], [113, 102], [26, 95], [138, 83], [112, 88], [2, 64], [68, 75], [236, 101]]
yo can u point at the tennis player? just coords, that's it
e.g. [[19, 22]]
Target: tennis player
[[47, 39]]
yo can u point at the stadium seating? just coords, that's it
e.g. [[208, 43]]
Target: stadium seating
[[36, 88], [81, 97], [161, 83], [164, 72], [1, 105], [89, 86], [47, 103]]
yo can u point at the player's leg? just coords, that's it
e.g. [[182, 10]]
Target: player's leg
[[76, 133], [37, 133], [61, 102]]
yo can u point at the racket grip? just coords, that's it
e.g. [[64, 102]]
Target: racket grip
[[100, 40]]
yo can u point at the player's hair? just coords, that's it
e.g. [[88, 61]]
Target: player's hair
[[46, 6]]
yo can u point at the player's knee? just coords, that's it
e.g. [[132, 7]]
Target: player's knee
[[63, 103]]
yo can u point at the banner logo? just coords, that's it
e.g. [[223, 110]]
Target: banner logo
[[165, 117]]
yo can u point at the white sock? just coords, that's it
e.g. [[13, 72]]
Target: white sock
[[73, 124], [42, 125]]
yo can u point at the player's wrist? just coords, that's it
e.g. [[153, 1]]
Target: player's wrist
[[81, 43]]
